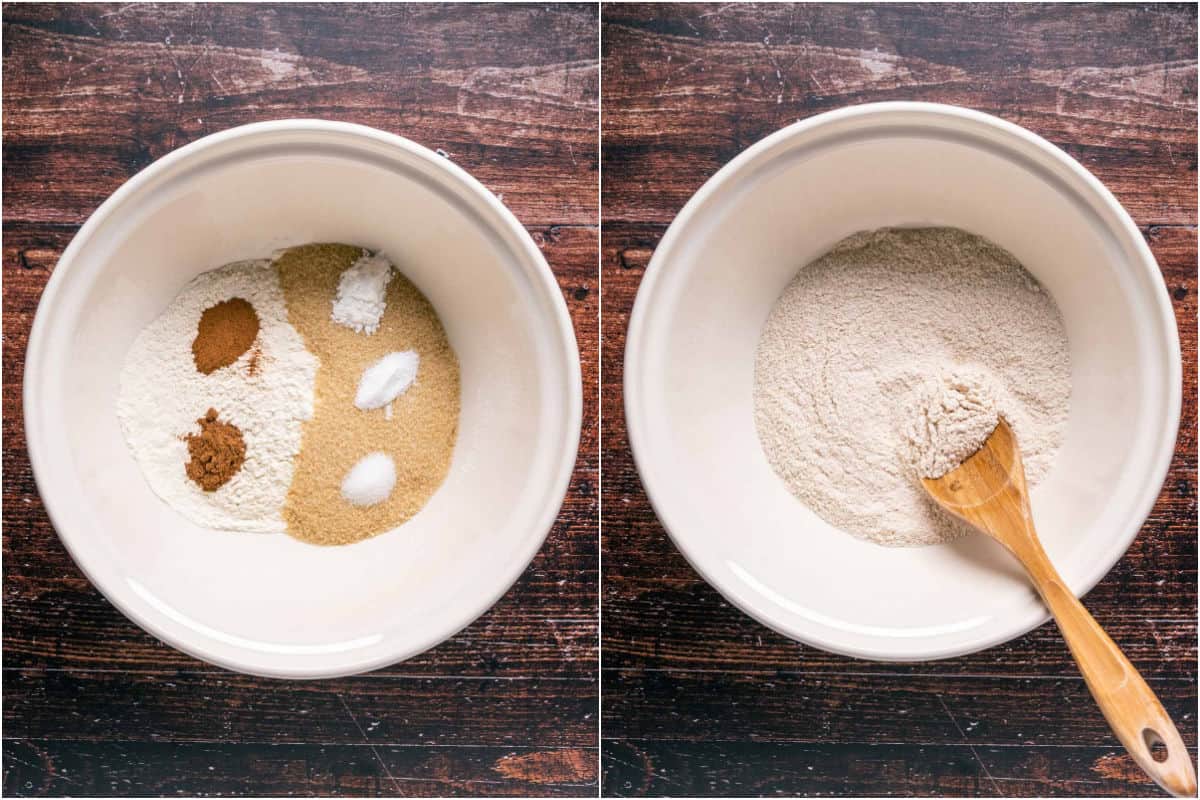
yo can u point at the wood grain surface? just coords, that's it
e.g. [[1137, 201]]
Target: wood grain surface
[[697, 698], [93, 705]]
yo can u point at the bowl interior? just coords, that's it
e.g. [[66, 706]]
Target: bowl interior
[[266, 602], [691, 361]]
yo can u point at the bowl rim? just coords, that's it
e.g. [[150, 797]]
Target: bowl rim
[[934, 113], [542, 280]]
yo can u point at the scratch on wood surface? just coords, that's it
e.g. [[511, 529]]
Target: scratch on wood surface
[[719, 11], [570, 84], [646, 767], [974, 752], [1171, 84], [41, 768], [363, 733], [248, 71], [125, 7], [848, 70]]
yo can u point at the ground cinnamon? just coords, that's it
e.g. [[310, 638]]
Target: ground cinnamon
[[225, 332], [254, 365], [217, 452]]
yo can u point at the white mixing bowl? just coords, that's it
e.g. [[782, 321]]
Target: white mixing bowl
[[266, 603], [689, 372]]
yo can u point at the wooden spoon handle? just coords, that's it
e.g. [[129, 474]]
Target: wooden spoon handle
[[1130, 706]]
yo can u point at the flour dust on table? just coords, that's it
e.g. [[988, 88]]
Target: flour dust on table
[[313, 393], [889, 359]]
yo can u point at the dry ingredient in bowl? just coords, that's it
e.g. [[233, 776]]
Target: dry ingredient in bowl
[[225, 331], [362, 293], [952, 416], [420, 435], [370, 481], [216, 453], [293, 358], [266, 393], [386, 379], [863, 334]]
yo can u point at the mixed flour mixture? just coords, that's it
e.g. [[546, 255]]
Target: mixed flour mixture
[[884, 359], [952, 416]]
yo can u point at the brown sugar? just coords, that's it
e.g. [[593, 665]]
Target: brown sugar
[[216, 453], [224, 333], [423, 427]]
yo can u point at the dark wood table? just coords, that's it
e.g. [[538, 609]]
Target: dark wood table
[[94, 706], [697, 698]]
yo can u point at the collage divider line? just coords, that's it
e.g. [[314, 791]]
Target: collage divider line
[[599, 488]]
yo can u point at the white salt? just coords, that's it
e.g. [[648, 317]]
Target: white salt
[[370, 481], [362, 294], [386, 379]]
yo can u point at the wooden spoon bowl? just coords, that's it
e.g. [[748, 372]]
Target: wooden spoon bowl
[[988, 491]]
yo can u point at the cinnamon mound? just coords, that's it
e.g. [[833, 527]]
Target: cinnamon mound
[[226, 330], [217, 452]]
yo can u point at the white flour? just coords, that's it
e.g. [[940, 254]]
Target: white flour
[[849, 351], [162, 395]]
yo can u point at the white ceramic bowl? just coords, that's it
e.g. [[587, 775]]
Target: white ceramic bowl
[[689, 365], [266, 603]]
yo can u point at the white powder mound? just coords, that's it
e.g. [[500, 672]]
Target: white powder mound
[[952, 416], [386, 379], [163, 394], [854, 337], [362, 294], [369, 481]]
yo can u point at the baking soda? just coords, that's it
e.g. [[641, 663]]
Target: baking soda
[[386, 379], [362, 294]]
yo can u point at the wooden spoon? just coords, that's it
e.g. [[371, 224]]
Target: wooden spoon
[[988, 491]]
